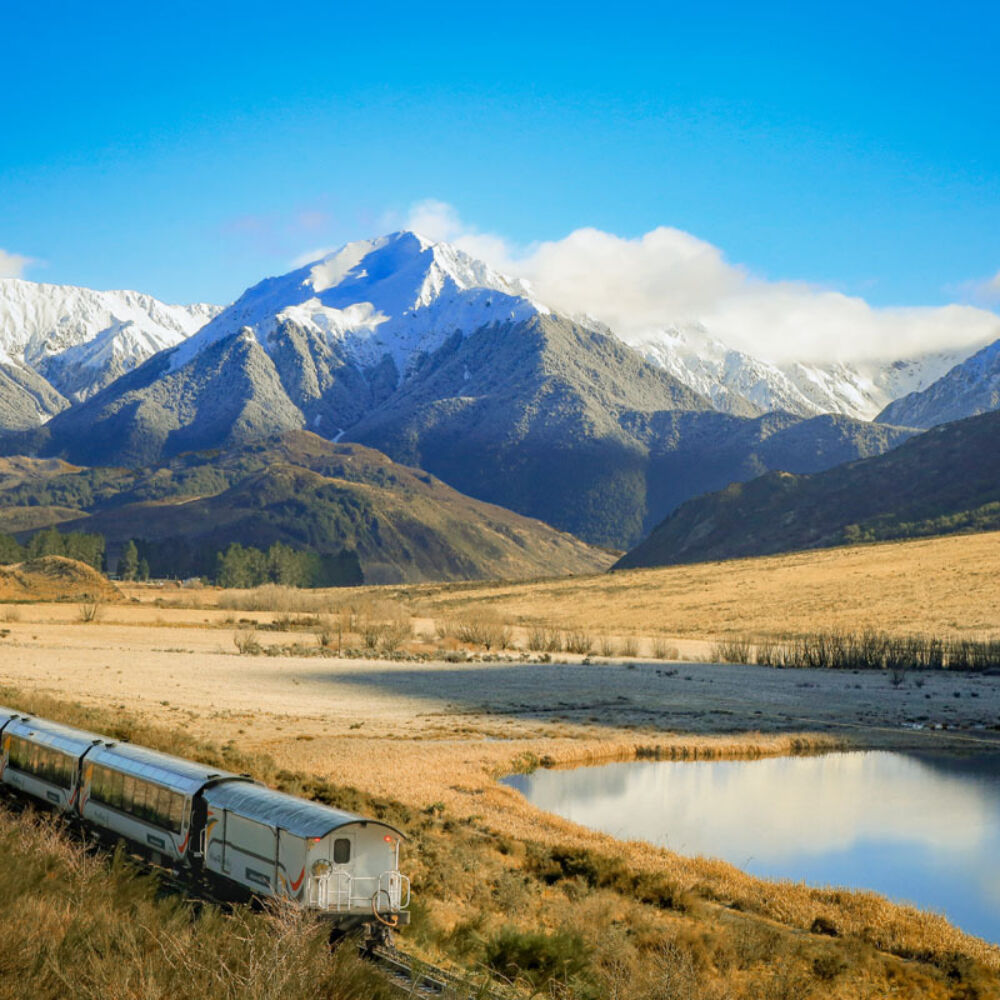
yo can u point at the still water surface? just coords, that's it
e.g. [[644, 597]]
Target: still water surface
[[917, 828]]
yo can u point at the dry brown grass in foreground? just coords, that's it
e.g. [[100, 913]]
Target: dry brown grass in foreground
[[85, 926], [499, 885]]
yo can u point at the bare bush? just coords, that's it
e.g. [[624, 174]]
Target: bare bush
[[662, 650], [245, 640], [394, 635], [90, 610], [579, 642], [629, 646], [544, 640], [484, 629], [607, 647]]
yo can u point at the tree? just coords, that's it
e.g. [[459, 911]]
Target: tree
[[47, 542], [143, 569], [128, 562], [10, 551]]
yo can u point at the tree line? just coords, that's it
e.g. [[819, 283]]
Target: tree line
[[80, 545], [234, 565]]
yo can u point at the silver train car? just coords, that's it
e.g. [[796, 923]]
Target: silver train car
[[224, 829]]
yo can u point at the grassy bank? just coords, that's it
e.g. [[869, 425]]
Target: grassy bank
[[74, 924], [585, 916]]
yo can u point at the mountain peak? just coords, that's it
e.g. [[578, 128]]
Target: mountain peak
[[397, 296]]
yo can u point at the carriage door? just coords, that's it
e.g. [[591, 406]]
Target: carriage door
[[342, 859]]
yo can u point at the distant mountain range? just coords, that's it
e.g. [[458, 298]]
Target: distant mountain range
[[60, 344], [388, 523], [943, 481], [432, 357], [742, 384], [443, 364]]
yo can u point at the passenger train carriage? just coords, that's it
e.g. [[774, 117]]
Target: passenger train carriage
[[243, 838]]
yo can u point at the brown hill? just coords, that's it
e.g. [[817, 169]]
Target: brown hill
[[54, 578], [394, 523]]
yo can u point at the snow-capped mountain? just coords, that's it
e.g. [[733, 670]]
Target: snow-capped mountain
[[738, 382], [398, 297], [964, 390], [79, 340], [442, 363]]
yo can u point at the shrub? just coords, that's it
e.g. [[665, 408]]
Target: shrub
[[536, 957], [630, 647]]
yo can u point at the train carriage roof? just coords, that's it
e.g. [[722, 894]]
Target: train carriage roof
[[180, 775], [6, 714], [298, 817], [67, 739]]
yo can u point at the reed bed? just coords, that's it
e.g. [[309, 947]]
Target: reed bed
[[864, 650]]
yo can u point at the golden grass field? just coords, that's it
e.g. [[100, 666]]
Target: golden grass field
[[433, 736], [928, 586]]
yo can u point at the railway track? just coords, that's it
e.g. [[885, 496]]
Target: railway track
[[416, 978]]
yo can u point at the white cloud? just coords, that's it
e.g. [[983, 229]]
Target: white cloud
[[13, 265], [668, 277]]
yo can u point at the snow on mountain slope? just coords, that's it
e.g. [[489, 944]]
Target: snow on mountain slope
[[400, 295], [965, 390], [734, 379], [80, 339]]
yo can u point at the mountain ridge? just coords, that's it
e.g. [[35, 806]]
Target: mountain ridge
[[399, 524], [946, 479]]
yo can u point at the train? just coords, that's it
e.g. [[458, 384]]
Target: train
[[218, 829]]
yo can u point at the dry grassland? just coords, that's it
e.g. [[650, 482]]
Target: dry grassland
[[929, 586], [432, 737]]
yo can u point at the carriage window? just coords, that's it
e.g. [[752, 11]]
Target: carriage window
[[341, 851], [116, 782], [49, 765], [176, 812]]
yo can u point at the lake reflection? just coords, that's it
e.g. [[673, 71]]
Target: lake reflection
[[920, 829]]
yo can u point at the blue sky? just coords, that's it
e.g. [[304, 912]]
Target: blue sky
[[191, 149]]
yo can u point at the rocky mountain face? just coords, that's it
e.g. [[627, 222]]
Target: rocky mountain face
[[945, 480], [967, 389], [421, 351], [389, 522], [581, 432], [60, 344]]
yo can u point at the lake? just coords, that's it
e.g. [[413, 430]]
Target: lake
[[919, 828]]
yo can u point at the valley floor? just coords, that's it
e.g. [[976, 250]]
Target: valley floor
[[434, 736]]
